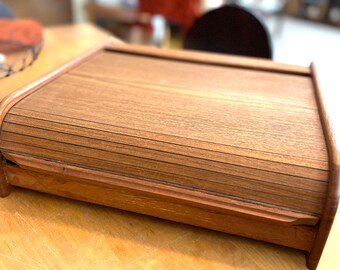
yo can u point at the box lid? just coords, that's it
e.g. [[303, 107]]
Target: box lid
[[244, 130]]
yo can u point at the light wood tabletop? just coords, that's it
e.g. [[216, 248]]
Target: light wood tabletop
[[48, 232]]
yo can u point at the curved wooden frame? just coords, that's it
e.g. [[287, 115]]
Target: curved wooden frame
[[10, 100], [331, 130]]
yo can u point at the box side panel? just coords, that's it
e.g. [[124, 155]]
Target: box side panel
[[326, 85]]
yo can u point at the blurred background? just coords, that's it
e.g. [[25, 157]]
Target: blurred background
[[300, 31]]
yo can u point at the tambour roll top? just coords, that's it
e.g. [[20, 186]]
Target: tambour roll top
[[251, 135]]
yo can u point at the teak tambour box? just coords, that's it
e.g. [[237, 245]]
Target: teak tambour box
[[233, 144]]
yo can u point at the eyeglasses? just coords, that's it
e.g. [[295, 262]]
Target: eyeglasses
[[18, 60]]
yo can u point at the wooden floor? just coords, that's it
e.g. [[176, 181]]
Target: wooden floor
[[39, 231]]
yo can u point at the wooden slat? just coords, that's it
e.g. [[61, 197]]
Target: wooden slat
[[211, 118], [12, 130], [272, 185], [297, 203], [41, 128], [99, 128], [155, 113]]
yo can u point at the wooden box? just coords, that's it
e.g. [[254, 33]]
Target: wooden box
[[232, 144]]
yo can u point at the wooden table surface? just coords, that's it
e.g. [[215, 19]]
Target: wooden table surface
[[39, 231]]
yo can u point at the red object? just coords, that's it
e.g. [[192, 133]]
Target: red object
[[19, 34], [183, 12]]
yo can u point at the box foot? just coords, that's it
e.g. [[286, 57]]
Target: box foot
[[312, 260], [5, 188]]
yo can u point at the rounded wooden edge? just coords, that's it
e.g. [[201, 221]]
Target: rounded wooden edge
[[209, 58], [171, 193], [333, 190], [10, 100]]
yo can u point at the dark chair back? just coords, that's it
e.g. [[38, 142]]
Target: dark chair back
[[231, 30]]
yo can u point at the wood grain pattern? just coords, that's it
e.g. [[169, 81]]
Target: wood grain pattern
[[57, 52], [247, 136], [234, 121], [189, 197], [326, 85], [149, 204], [49, 232], [62, 44], [19, 94], [66, 61], [212, 59]]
